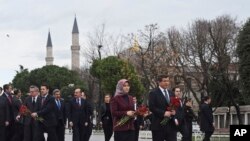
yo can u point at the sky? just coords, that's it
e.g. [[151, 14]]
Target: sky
[[24, 24]]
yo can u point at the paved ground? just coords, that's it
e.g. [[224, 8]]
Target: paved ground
[[95, 137]]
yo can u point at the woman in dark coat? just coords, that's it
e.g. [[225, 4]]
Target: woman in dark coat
[[122, 105], [207, 121], [189, 117]]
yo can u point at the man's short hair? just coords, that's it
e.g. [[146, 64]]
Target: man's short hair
[[6, 87], [79, 89], [55, 91], [34, 87], [205, 98], [45, 85], [160, 77]]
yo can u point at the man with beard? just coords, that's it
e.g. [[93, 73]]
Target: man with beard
[[78, 116]]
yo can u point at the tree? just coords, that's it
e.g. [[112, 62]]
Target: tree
[[54, 76], [206, 54], [111, 70], [20, 79], [149, 54], [243, 50]]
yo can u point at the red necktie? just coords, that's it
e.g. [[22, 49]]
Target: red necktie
[[9, 98], [43, 98]]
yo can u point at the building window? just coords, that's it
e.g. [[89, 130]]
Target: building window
[[235, 119], [216, 121], [248, 118], [242, 116], [222, 121]]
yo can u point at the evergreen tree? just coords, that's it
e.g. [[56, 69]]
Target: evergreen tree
[[111, 69], [243, 50]]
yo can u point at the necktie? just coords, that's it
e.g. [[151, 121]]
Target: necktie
[[58, 104], [79, 103], [33, 102], [43, 98], [166, 95], [9, 98]]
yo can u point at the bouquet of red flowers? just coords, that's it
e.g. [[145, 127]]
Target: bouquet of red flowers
[[174, 104], [142, 110], [24, 111]]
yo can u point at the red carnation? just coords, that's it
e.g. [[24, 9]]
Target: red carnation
[[173, 105], [142, 110], [24, 111]]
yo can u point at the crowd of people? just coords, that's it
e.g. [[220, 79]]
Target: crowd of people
[[28, 119]]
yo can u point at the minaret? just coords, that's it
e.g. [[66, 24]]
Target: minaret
[[49, 54], [75, 48]]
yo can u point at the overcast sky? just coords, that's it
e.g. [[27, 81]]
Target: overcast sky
[[24, 24]]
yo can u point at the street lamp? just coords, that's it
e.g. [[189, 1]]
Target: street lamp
[[100, 86], [99, 52]]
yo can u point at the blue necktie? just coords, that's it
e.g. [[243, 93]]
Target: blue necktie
[[58, 104], [166, 95]]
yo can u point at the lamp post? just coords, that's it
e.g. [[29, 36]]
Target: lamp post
[[100, 87], [99, 52]]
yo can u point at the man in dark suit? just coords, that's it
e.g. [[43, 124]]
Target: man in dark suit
[[60, 115], [106, 118], [207, 121], [7, 95], [138, 121], [159, 99], [4, 117], [47, 112], [89, 127], [78, 116], [31, 128], [18, 124], [180, 115], [1, 89]]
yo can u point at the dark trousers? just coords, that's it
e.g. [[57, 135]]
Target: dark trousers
[[88, 130], [108, 131], [50, 130], [79, 132], [189, 130], [124, 135], [18, 133], [33, 132], [166, 133], [137, 134], [207, 136], [182, 128], [60, 132], [10, 129], [3, 133]]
